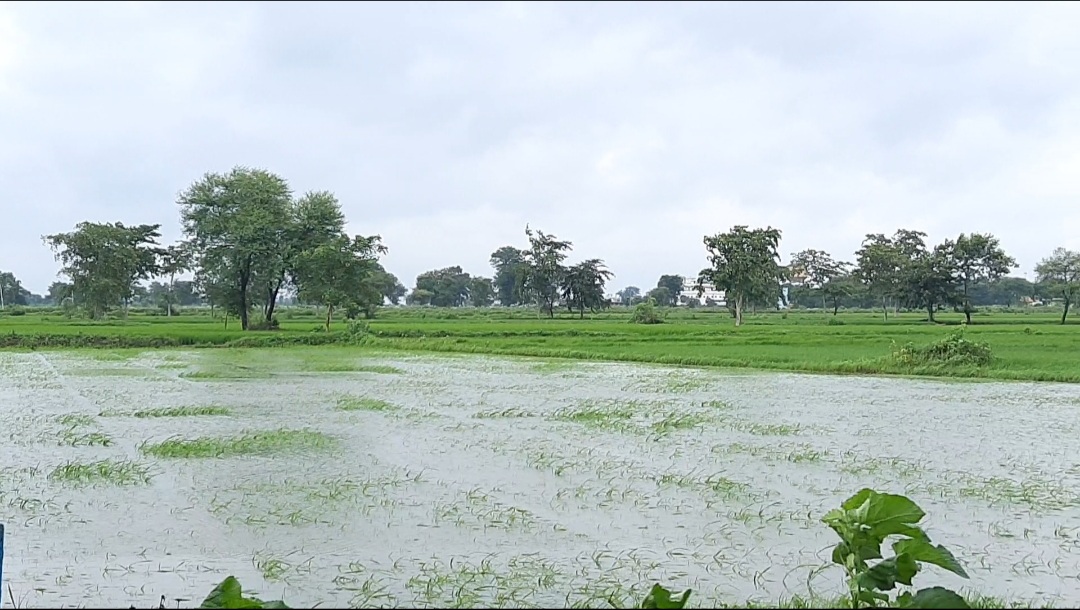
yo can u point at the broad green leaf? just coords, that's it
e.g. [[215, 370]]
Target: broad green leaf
[[229, 595], [854, 502], [661, 599], [922, 550], [935, 597], [887, 514], [882, 576], [871, 598], [906, 568], [840, 553], [276, 604]]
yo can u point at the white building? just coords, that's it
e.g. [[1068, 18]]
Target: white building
[[689, 292]]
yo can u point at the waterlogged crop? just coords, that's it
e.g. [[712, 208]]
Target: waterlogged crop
[[863, 522]]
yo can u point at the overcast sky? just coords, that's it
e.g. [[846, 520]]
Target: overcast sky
[[631, 130]]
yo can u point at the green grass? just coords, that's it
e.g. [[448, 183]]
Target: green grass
[[113, 472], [361, 403], [253, 443], [182, 411], [1028, 345]]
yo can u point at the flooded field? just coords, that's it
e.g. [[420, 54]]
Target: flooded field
[[326, 476]]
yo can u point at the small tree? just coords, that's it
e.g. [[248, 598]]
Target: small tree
[[629, 295], [582, 286], [11, 290], [817, 268], [105, 261], [339, 272], [976, 258], [674, 285], [745, 264], [543, 272], [1059, 274], [173, 260], [661, 295]]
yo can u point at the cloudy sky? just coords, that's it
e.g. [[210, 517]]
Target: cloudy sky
[[631, 130]]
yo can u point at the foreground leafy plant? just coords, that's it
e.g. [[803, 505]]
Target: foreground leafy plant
[[863, 522], [660, 598], [228, 594]]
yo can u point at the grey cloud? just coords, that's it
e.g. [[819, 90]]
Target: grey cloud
[[630, 129]]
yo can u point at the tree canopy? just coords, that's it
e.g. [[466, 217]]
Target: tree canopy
[[105, 261], [745, 264], [1059, 273]]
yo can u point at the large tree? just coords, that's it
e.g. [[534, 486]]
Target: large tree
[[1059, 274], [543, 272], [745, 264], [449, 287], [977, 258], [582, 286], [816, 268], [338, 273], [674, 285], [509, 264], [106, 261], [11, 290], [238, 225]]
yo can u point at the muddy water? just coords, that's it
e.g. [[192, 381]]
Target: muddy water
[[510, 482]]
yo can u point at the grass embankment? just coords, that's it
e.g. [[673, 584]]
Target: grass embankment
[[1026, 346]]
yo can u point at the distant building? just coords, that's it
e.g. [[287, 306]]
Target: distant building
[[710, 294]]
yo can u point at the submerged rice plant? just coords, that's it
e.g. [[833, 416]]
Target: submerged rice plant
[[252, 443], [115, 472]]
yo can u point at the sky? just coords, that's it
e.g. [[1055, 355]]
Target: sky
[[632, 130]]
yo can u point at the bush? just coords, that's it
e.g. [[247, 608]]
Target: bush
[[646, 313], [17, 311], [834, 321], [357, 332], [272, 324], [953, 350]]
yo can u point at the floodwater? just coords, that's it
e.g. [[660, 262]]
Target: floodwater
[[511, 482]]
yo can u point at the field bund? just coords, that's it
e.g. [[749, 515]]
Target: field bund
[[330, 475]]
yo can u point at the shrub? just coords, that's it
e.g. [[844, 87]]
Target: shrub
[[17, 311], [953, 350], [834, 321], [646, 313], [272, 324], [357, 332]]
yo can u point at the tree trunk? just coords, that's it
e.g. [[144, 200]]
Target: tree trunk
[[226, 319], [835, 307], [271, 302], [930, 312], [329, 313], [1066, 312], [245, 279], [967, 312], [885, 308], [168, 303], [738, 310], [824, 304]]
